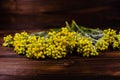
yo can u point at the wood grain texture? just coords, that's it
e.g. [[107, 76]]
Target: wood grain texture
[[36, 15], [39, 14], [106, 66]]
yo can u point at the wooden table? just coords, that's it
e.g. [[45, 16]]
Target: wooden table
[[106, 66], [20, 15]]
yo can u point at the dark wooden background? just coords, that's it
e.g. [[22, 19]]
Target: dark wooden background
[[36, 15], [39, 14]]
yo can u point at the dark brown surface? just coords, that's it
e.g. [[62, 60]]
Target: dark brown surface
[[106, 66], [39, 14], [35, 15]]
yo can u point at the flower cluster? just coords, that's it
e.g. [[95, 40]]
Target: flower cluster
[[109, 35], [116, 43], [20, 42], [107, 40], [85, 46], [8, 41], [56, 45]]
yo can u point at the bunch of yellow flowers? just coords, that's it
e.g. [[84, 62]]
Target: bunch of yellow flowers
[[58, 43], [116, 43], [20, 42], [8, 41], [107, 40], [55, 46], [85, 46]]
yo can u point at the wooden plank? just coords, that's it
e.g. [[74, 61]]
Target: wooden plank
[[39, 6], [13, 66], [35, 15], [39, 14]]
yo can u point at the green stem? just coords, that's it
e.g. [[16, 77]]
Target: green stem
[[80, 30], [67, 25]]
